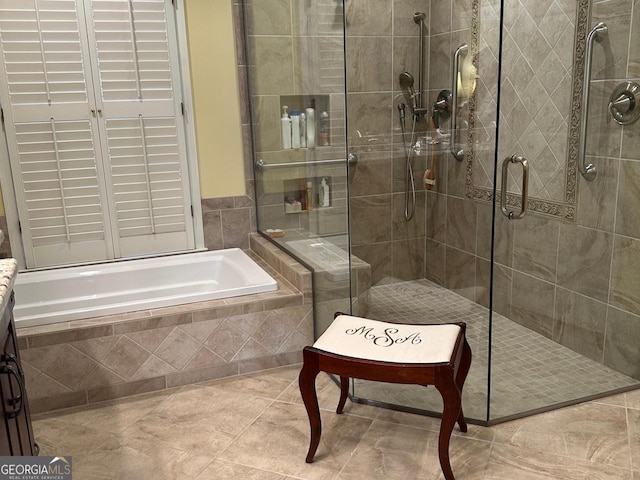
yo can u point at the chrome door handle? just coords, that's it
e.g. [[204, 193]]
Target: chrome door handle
[[458, 153], [525, 187]]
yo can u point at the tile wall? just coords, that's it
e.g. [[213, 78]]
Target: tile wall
[[575, 282], [383, 42]]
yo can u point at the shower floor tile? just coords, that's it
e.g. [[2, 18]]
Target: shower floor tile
[[528, 370]]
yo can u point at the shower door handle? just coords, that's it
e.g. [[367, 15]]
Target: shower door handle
[[525, 187], [458, 153]]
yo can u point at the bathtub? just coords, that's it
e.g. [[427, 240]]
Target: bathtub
[[74, 293]]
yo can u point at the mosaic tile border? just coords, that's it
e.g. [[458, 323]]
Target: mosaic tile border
[[562, 210]]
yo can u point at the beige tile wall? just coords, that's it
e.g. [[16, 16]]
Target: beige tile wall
[[576, 283], [382, 42]]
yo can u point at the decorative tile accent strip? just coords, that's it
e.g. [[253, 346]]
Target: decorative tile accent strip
[[562, 210]]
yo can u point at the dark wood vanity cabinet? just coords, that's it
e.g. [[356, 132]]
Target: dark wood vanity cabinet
[[16, 434]]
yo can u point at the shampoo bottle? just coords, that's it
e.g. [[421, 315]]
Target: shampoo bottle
[[285, 122], [311, 127], [309, 195], [295, 128], [324, 193], [303, 130], [324, 129]]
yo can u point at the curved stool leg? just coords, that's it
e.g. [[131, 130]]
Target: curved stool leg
[[344, 394], [463, 370], [451, 412], [307, 383]]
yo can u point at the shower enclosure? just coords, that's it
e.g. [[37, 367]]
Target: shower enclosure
[[481, 164]]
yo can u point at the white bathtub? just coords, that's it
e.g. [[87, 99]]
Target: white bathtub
[[74, 293]]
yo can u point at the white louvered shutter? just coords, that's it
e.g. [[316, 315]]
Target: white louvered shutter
[[97, 150], [50, 134], [143, 141]]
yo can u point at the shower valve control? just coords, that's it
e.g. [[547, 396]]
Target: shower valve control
[[623, 103]]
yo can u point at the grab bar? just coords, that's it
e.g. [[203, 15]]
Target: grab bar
[[597, 33], [352, 160], [525, 187], [462, 50]]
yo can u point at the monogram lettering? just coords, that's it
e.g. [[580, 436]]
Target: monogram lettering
[[388, 338]]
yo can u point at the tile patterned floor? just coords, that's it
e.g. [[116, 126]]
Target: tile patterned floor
[[529, 371], [255, 427]]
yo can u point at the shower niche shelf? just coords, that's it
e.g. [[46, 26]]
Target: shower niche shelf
[[304, 194], [322, 115]]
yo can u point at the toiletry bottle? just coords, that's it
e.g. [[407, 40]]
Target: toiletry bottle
[[309, 195], [324, 193], [324, 129], [295, 128], [311, 127], [302, 193], [285, 122], [303, 130]]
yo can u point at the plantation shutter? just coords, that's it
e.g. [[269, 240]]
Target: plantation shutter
[[143, 142], [97, 147], [50, 135]]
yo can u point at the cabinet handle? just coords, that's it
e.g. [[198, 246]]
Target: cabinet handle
[[8, 370], [11, 358]]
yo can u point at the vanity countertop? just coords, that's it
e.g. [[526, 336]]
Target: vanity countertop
[[8, 271]]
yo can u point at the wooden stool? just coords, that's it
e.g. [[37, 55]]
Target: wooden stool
[[354, 347]]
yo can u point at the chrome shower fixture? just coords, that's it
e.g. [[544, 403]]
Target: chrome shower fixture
[[411, 96], [419, 18], [406, 84], [401, 110]]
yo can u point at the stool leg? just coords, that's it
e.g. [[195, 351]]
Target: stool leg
[[452, 403], [344, 394], [463, 370], [307, 383]]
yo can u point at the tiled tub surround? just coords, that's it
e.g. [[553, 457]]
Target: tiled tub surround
[[334, 290], [87, 361]]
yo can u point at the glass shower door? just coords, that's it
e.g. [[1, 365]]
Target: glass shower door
[[541, 265], [563, 274], [413, 217], [460, 126]]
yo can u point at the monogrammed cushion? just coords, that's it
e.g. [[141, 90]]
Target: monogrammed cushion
[[388, 342]]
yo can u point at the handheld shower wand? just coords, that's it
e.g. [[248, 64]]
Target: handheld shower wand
[[411, 96], [401, 110]]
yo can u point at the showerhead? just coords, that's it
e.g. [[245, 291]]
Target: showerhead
[[406, 81], [419, 17], [406, 84]]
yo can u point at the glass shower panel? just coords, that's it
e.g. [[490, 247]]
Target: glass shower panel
[[295, 56], [562, 329], [414, 219], [414, 230]]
